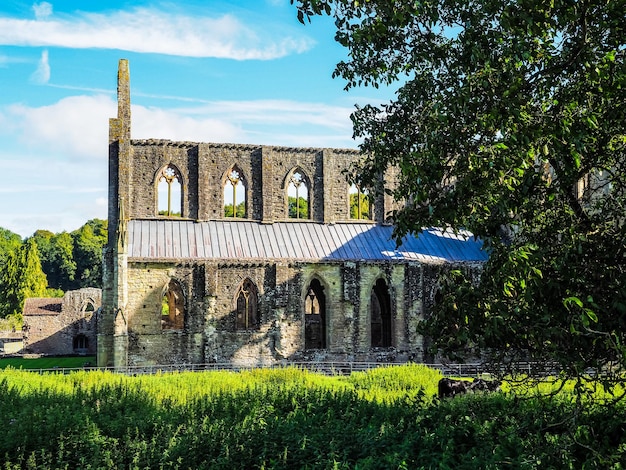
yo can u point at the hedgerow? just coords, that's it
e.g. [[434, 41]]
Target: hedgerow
[[287, 418]]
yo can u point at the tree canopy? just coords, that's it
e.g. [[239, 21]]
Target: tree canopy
[[73, 260], [9, 242], [21, 277], [508, 121], [58, 262]]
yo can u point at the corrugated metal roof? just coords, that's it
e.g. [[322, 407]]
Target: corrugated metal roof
[[294, 241]]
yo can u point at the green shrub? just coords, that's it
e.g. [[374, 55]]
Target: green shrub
[[287, 418]]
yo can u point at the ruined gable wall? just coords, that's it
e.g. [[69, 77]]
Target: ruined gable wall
[[54, 334]]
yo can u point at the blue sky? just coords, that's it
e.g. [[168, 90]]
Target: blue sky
[[240, 71]]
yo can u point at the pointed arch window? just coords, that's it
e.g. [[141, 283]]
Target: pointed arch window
[[380, 313], [315, 316], [360, 207], [88, 309], [235, 194], [169, 192], [298, 196], [172, 307], [247, 306]]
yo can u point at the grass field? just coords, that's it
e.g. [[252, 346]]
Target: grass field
[[73, 362]]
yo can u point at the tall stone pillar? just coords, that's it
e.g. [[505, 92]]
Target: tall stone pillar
[[268, 186], [112, 330]]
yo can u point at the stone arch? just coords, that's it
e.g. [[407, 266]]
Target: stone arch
[[172, 306], [315, 315], [169, 184], [88, 311], [247, 306], [298, 194], [235, 191], [381, 325]]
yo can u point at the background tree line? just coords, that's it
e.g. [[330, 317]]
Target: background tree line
[[48, 264]]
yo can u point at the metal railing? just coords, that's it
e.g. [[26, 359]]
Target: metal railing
[[533, 369]]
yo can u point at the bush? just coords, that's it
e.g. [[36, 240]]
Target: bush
[[287, 418]]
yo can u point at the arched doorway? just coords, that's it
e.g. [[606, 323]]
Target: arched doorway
[[315, 316], [247, 314], [380, 312], [172, 307]]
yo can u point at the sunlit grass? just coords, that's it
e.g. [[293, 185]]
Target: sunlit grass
[[48, 362]]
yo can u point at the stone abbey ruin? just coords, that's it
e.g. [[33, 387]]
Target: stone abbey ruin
[[253, 255]]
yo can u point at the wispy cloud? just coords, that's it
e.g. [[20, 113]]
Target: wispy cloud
[[5, 60], [41, 76], [149, 30], [42, 10], [77, 127], [63, 149]]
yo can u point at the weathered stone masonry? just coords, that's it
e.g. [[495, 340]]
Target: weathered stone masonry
[[61, 326], [201, 287]]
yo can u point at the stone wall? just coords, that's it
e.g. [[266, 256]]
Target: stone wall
[[71, 331], [265, 170], [210, 335]]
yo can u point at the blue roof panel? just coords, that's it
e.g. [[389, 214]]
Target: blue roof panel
[[294, 241]]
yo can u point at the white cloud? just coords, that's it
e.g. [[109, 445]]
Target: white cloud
[[42, 10], [41, 76], [155, 123], [48, 193], [75, 127], [284, 112], [5, 60], [149, 30], [60, 165]]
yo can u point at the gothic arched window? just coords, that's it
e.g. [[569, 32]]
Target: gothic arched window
[[380, 312], [172, 307], [88, 309], [298, 195], [169, 183], [235, 190], [315, 316], [247, 302], [360, 207]]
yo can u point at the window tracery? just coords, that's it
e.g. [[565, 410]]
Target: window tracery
[[235, 197], [169, 192], [315, 316], [298, 196], [247, 306]]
